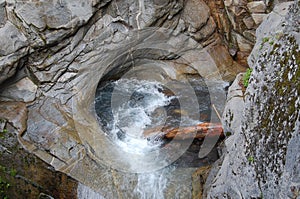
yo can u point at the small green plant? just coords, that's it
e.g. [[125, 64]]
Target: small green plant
[[271, 42], [251, 159], [247, 77], [228, 134], [265, 39], [4, 186], [13, 172], [3, 132]]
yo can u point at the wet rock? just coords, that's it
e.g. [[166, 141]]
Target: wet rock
[[199, 177], [262, 158]]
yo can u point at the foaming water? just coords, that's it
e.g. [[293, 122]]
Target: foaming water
[[152, 185], [133, 104], [84, 192]]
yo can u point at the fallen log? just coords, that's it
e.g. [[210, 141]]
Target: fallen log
[[197, 131]]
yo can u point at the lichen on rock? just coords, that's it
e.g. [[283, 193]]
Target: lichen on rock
[[263, 156]]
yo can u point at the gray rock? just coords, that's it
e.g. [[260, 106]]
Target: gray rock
[[244, 44], [23, 90], [258, 18], [277, 19], [257, 6], [249, 22], [195, 14], [263, 157], [206, 31], [66, 47], [12, 39], [3, 16], [234, 108]]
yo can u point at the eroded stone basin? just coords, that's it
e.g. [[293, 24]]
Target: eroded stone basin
[[63, 128]]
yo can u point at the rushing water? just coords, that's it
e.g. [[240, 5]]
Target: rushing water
[[127, 107]]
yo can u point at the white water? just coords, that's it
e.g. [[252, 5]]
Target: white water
[[84, 192], [133, 103], [149, 186], [152, 185]]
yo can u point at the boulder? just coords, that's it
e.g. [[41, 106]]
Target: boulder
[[234, 108], [262, 158], [258, 18], [257, 6], [195, 14]]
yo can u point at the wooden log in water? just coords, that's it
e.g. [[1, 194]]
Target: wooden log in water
[[197, 131]]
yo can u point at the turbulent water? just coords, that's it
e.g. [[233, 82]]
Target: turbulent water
[[127, 107]]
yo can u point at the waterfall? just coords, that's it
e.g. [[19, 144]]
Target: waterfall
[[84, 192], [152, 185]]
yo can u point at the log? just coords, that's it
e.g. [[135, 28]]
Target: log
[[198, 131]]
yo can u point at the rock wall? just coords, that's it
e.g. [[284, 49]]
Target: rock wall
[[237, 21], [24, 175], [262, 159], [53, 53]]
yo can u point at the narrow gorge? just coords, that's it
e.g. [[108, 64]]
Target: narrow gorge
[[110, 99]]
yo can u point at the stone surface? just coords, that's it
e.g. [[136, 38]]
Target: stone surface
[[258, 18], [257, 6], [66, 72], [23, 90], [243, 44], [249, 22], [233, 112], [199, 177], [64, 48], [28, 176], [3, 16], [195, 14], [262, 158]]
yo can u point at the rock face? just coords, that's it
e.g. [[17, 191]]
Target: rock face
[[26, 174], [237, 20], [262, 158], [54, 53]]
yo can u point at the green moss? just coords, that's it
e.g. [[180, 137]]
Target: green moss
[[3, 133], [271, 42], [251, 159], [13, 172], [247, 77], [265, 39], [228, 134], [4, 186]]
